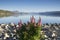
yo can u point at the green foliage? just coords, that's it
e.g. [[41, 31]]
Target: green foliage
[[32, 33]]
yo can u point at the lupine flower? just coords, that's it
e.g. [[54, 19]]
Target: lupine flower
[[39, 22], [20, 23], [32, 19]]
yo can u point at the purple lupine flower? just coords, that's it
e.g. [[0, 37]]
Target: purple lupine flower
[[32, 19], [39, 22], [20, 23]]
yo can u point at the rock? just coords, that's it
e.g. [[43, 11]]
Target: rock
[[12, 24]]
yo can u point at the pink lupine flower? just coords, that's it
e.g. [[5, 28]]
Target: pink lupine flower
[[32, 19], [20, 23], [39, 22]]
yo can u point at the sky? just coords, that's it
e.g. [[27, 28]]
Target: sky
[[30, 5]]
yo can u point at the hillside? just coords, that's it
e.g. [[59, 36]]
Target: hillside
[[4, 13]]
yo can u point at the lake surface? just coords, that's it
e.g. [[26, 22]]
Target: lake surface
[[25, 18]]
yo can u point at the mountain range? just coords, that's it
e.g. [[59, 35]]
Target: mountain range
[[9, 13], [52, 13]]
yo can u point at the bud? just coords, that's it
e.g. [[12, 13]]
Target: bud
[[39, 22], [32, 19]]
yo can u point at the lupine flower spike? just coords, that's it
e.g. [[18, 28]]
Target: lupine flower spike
[[39, 22], [20, 23], [32, 19]]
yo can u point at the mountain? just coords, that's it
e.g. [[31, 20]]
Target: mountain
[[5, 13], [53, 13]]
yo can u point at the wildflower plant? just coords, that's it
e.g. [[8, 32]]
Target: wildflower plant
[[30, 31]]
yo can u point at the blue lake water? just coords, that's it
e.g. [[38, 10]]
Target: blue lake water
[[25, 18]]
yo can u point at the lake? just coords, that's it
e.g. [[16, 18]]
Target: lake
[[25, 18]]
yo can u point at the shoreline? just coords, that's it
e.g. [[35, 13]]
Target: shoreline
[[48, 29]]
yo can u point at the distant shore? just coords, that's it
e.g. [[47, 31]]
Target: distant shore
[[5, 13]]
